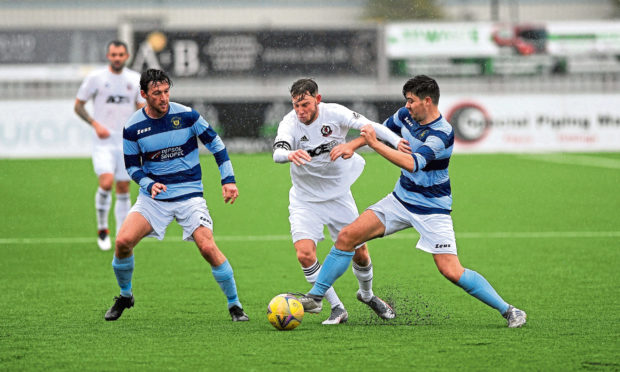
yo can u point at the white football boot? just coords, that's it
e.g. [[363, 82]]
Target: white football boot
[[103, 240], [515, 317]]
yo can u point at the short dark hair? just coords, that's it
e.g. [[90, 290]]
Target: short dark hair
[[153, 76], [116, 43], [422, 86], [303, 86]]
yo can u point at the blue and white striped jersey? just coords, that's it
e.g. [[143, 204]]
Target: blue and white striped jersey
[[165, 150], [426, 190]]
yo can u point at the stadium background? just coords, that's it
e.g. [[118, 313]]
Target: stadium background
[[234, 62], [543, 228]]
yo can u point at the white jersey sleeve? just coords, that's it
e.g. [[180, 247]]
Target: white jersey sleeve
[[285, 139], [88, 88], [357, 121]]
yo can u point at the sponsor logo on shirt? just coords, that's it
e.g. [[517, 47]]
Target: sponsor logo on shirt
[[356, 115], [304, 139], [326, 147], [169, 153]]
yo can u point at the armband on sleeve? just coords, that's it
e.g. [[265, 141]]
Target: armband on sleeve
[[282, 145], [280, 155]]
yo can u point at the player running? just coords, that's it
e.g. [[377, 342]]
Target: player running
[[115, 91], [321, 193], [161, 155], [422, 199]]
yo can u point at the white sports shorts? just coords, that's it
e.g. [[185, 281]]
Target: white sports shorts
[[436, 230], [109, 159], [308, 218], [190, 214]]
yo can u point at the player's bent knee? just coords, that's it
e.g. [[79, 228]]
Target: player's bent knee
[[361, 257], [122, 187], [124, 246], [125, 242], [306, 258], [209, 250], [347, 239]]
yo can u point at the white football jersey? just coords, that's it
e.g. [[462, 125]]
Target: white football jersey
[[114, 100], [321, 178]]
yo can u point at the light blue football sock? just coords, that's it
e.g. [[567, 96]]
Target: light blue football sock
[[477, 286], [223, 275], [336, 263], [123, 269]]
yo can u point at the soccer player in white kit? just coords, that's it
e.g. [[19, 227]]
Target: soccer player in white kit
[[309, 137], [115, 91]]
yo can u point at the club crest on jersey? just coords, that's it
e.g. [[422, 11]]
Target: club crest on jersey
[[176, 122], [423, 134], [326, 130]]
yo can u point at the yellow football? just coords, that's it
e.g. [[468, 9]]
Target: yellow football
[[285, 312]]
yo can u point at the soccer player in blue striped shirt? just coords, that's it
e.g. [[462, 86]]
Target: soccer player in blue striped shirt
[[421, 199], [160, 143]]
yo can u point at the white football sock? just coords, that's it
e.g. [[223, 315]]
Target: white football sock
[[311, 274], [364, 277], [103, 201], [121, 208]]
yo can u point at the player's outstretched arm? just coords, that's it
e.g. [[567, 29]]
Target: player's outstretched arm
[[346, 150], [399, 158], [230, 193]]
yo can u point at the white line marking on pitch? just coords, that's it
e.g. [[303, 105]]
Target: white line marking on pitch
[[397, 236], [573, 159]]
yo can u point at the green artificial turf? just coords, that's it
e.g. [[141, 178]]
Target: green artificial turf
[[543, 229]]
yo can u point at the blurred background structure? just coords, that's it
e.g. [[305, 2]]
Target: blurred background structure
[[516, 75]]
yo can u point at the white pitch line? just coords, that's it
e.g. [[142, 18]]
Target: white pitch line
[[398, 236], [573, 159]]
